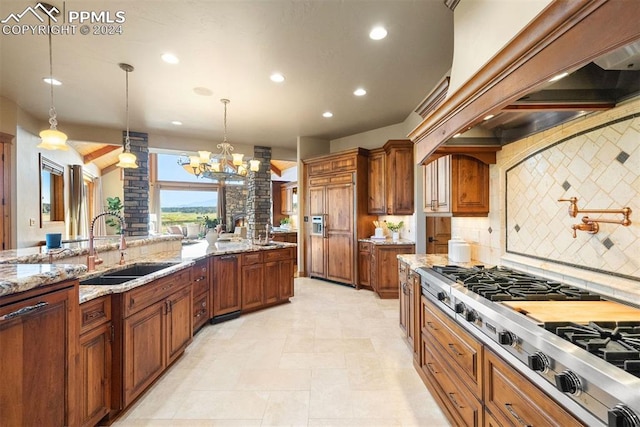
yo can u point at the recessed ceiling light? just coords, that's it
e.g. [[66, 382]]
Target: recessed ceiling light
[[51, 81], [558, 77], [359, 92], [202, 91], [457, 135], [327, 114], [490, 116], [378, 33], [277, 77], [176, 122], [170, 58]]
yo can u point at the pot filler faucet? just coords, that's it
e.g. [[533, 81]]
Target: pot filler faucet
[[92, 258], [590, 225]]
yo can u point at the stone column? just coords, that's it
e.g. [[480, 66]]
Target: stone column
[[259, 193], [136, 187]]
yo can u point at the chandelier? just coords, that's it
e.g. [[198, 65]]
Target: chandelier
[[226, 165]]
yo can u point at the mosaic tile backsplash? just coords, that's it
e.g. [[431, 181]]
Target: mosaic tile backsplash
[[601, 167]]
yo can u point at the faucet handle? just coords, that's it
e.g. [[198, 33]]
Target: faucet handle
[[573, 207]]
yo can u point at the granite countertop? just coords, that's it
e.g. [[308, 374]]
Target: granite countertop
[[429, 260], [387, 241], [23, 277]]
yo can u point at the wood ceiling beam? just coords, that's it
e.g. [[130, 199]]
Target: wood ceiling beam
[[88, 158], [276, 170], [558, 106]]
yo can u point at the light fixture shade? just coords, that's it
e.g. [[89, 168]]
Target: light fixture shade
[[216, 166], [254, 165], [205, 156], [237, 158], [242, 170], [53, 139], [127, 160], [194, 161]]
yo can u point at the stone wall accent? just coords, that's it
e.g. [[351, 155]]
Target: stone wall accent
[[259, 193], [235, 202], [136, 187]]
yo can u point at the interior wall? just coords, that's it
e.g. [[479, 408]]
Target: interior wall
[[588, 163], [498, 21]]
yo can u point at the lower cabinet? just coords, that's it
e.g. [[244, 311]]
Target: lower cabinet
[[226, 281], [38, 353], [252, 281], [473, 385], [267, 278], [96, 337], [384, 268], [201, 292], [364, 264]]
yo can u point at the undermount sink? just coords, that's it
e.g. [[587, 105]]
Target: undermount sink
[[126, 274], [140, 269]]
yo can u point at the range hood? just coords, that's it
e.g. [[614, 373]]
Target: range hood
[[511, 97]]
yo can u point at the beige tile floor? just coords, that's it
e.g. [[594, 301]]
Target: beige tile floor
[[334, 356]]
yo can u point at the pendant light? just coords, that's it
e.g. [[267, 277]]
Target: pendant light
[[127, 159], [52, 138]]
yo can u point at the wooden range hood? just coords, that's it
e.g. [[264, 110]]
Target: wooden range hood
[[565, 36]]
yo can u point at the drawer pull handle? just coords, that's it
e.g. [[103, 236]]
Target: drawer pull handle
[[515, 415], [199, 279], [455, 350], [431, 368], [452, 396], [430, 324], [94, 314], [24, 310]]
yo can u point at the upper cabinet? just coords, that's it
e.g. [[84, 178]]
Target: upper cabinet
[[456, 184], [289, 198], [391, 179]]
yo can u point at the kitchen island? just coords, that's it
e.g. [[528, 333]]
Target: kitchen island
[[490, 362], [109, 343]]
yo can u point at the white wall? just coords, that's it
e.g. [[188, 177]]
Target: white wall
[[482, 28]]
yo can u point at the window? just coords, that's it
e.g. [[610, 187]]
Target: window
[[183, 198]]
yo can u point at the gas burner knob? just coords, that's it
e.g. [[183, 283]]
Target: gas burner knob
[[539, 362], [441, 296], [459, 307], [622, 416], [471, 315], [507, 338], [568, 382]]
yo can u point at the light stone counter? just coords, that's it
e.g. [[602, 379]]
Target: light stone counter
[[388, 241], [429, 260], [23, 277]]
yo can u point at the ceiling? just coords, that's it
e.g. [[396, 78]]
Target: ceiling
[[229, 49]]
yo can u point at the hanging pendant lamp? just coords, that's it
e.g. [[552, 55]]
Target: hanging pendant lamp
[[127, 159], [52, 138]]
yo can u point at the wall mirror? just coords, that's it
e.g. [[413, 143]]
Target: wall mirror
[[51, 191]]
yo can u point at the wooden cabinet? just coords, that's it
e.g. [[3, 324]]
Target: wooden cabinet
[[337, 189], [513, 400], [201, 286], [364, 264], [458, 185], [391, 179], [267, 278], [437, 185], [384, 268], [38, 356], [226, 281], [157, 327], [252, 281], [377, 185], [399, 182], [96, 337], [289, 198], [287, 237]]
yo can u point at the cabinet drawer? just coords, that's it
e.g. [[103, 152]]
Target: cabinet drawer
[[344, 163], [200, 271], [146, 295], [514, 400], [200, 286], [201, 312], [277, 255], [252, 258], [459, 400], [318, 168], [458, 345], [95, 313]]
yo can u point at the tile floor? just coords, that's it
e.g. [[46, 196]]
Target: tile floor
[[334, 356]]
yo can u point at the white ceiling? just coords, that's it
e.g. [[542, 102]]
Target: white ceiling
[[231, 48]]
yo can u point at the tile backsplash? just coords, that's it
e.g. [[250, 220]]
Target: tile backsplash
[[596, 159]]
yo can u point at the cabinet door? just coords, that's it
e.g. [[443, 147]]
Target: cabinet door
[[403, 275], [285, 200], [316, 200], [271, 281], [226, 284], [438, 234], [318, 256], [179, 322], [470, 186], [144, 349], [252, 286], [377, 203], [340, 252], [364, 264], [285, 279], [400, 180], [387, 283], [95, 374], [437, 185], [34, 360]]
